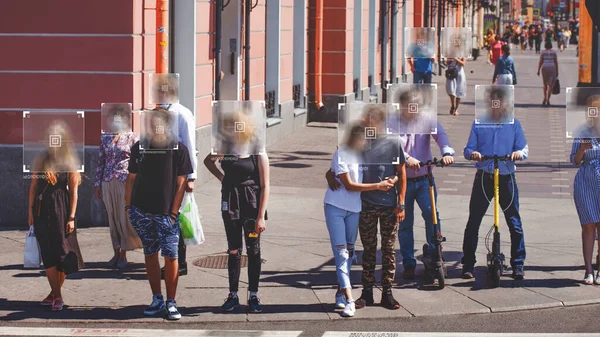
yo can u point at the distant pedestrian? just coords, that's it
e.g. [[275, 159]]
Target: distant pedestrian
[[538, 37], [158, 170], [245, 186], [111, 174], [567, 37], [342, 210], [585, 154], [549, 66], [495, 50], [422, 69], [504, 72], [52, 210], [456, 85]]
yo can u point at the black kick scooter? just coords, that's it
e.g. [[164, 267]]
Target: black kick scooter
[[435, 269]]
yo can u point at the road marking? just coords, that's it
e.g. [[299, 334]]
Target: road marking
[[23, 331], [561, 193], [455, 175], [561, 186], [448, 189], [558, 150], [567, 179], [452, 182], [560, 172], [451, 334]]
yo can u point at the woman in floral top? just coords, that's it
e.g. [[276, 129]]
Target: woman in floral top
[[112, 171]]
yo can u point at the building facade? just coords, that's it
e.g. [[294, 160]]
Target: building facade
[[73, 55]]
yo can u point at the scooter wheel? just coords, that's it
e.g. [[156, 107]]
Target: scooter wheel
[[441, 277], [495, 272]]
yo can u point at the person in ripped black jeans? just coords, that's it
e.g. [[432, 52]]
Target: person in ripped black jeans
[[244, 197]]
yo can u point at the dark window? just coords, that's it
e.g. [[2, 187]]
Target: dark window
[[355, 86], [270, 103], [296, 95]]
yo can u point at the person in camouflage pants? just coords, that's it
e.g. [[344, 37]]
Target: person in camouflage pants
[[367, 227]]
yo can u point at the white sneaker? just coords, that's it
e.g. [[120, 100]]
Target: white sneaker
[[340, 301], [589, 279], [597, 278], [349, 310]]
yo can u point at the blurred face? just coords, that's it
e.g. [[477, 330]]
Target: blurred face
[[497, 106]]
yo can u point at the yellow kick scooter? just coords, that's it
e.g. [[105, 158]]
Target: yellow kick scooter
[[495, 258]]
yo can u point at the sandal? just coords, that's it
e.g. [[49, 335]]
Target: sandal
[[452, 110], [456, 112], [58, 304], [48, 301], [589, 279]]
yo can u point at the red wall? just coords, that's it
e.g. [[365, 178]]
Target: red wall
[[73, 55]]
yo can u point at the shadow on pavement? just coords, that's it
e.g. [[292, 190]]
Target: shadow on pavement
[[482, 281], [22, 310], [92, 270]]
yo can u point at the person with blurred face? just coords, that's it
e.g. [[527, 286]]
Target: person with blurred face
[[585, 154], [168, 91], [342, 210], [245, 186], [456, 87], [111, 174], [417, 148], [378, 206], [495, 137], [52, 210], [421, 64], [158, 168]]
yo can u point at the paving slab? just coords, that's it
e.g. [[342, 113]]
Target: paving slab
[[289, 303], [327, 298]]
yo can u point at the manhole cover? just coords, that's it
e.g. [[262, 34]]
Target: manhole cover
[[217, 262]]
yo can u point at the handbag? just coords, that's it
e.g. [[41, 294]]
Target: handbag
[[451, 73], [189, 221], [556, 87], [32, 259]]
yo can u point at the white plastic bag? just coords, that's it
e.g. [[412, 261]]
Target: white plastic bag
[[32, 251], [189, 221]]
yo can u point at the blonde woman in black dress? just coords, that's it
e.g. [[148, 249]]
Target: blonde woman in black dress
[[52, 208]]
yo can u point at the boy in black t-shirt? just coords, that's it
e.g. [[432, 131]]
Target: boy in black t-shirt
[[154, 190]]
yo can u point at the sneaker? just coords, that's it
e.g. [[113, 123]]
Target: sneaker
[[349, 310], [122, 264], [518, 273], [409, 273], [467, 272], [157, 306], [365, 299], [388, 301], [230, 303], [340, 301], [254, 304], [172, 312], [597, 281], [589, 279]]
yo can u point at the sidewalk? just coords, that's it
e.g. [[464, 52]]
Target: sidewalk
[[298, 278]]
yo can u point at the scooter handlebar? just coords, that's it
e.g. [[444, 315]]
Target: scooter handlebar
[[496, 157], [434, 162]]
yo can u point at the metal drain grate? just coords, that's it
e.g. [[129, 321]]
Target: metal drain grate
[[217, 262]]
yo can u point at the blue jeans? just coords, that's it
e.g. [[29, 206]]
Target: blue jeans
[[479, 205], [422, 77], [416, 191], [343, 230]]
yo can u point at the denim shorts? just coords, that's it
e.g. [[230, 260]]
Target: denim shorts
[[157, 232]]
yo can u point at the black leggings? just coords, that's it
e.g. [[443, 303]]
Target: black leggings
[[234, 230]]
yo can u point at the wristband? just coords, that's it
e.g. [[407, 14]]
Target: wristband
[[71, 218], [127, 207]]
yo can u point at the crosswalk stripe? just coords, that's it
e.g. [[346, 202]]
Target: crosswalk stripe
[[27, 331]]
